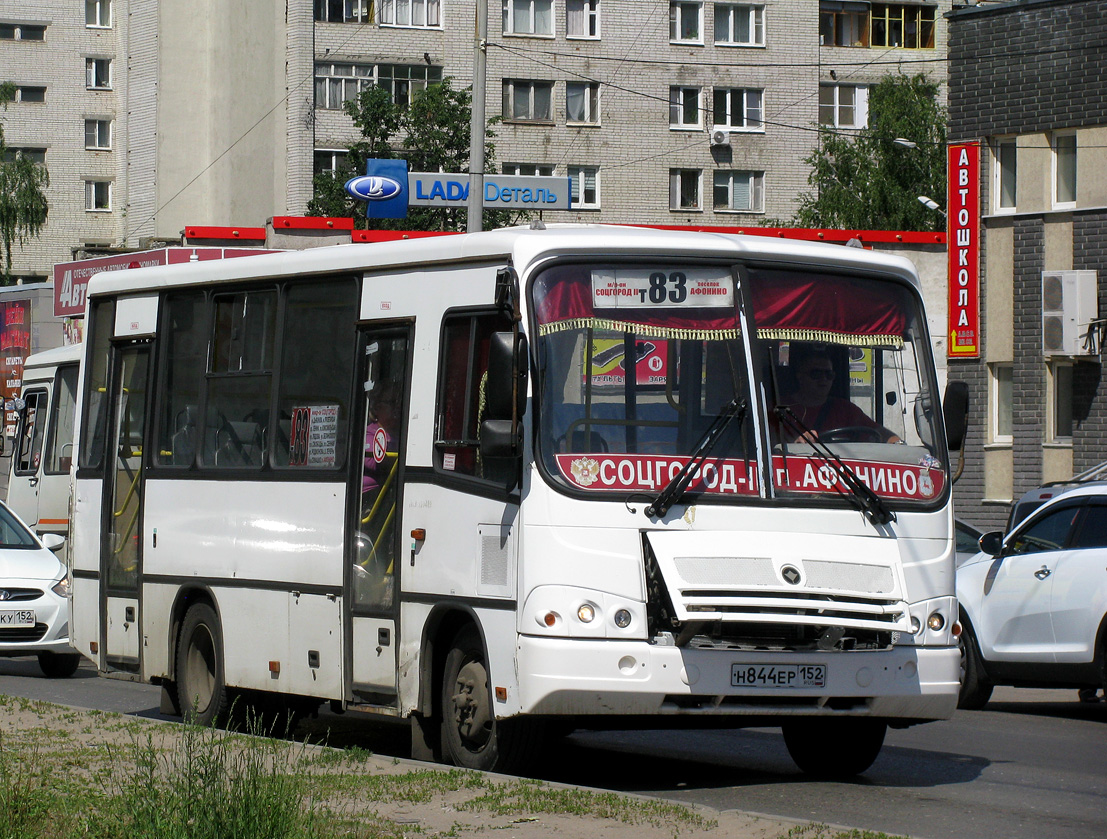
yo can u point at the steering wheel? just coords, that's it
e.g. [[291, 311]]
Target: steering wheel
[[852, 434]]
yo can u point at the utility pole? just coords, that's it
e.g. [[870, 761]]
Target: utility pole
[[477, 122]]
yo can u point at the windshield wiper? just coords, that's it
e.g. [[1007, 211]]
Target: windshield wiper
[[676, 487], [867, 501]]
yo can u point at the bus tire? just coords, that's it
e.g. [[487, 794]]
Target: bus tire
[[201, 686], [834, 748], [976, 688], [471, 735], [58, 665]]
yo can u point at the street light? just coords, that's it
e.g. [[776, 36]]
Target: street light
[[907, 144], [930, 204]]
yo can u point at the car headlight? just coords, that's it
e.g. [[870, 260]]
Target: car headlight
[[61, 587]]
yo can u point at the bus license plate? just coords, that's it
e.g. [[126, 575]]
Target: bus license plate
[[778, 675], [21, 617]]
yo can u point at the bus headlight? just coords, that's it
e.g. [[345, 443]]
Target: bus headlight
[[586, 613], [916, 626], [936, 622], [622, 618]]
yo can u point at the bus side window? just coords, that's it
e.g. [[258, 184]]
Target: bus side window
[[29, 449], [59, 443]]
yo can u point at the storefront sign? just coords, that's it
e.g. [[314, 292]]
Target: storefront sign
[[963, 209], [389, 189]]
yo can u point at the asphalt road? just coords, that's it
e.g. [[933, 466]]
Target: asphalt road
[[1033, 764]]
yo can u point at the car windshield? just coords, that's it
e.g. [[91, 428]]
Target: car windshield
[[637, 361], [12, 533]]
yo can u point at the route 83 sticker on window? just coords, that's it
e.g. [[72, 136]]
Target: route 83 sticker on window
[[641, 287]]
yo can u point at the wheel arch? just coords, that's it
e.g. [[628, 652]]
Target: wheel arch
[[443, 623], [187, 597]]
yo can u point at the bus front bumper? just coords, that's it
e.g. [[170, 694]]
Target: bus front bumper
[[598, 678]]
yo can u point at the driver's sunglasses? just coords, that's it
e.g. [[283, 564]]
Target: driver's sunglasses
[[818, 373]]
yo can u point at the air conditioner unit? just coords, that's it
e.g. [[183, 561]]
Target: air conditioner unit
[[719, 137], [1069, 305]]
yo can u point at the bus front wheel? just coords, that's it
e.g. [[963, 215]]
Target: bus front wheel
[[834, 748], [472, 737], [201, 689]]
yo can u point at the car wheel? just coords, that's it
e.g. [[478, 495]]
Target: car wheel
[[834, 748], [59, 665], [976, 689], [201, 689], [472, 737]]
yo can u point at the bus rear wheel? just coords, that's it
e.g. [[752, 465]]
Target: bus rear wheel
[[472, 737], [201, 688], [834, 748]]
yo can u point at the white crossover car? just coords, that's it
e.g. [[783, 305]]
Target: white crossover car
[[1034, 603], [34, 605]]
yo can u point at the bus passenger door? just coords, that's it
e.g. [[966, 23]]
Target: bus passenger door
[[121, 549], [374, 542]]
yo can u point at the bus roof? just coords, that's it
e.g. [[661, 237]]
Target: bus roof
[[521, 244], [54, 357]]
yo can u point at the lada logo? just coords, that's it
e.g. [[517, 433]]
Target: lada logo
[[373, 188], [791, 575]]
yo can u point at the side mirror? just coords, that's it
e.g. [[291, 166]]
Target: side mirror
[[505, 395], [955, 411], [52, 541], [992, 543]]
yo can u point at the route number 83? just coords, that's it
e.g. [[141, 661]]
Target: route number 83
[[668, 289]]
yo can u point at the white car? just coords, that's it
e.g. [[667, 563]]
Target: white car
[[1034, 603], [34, 604]]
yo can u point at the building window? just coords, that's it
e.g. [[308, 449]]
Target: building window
[[98, 73], [738, 109], [329, 161], [582, 18], [1064, 170], [336, 84], [98, 196], [684, 189], [416, 14], [97, 133], [899, 25], [528, 17], [22, 32], [739, 25], [584, 193], [546, 170], [1004, 150], [1002, 403], [98, 14], [740, 192], [344, 11], [403, 81], [684, 107], [527, 100], [844, 106], [30, 93], [686, 22], [843, 24], [582, 103], [1061, 396], [33, 154]]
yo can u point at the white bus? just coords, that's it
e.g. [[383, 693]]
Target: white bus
[[42, 449], [519, 482]]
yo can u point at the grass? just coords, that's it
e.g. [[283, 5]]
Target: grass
[[102, 775]]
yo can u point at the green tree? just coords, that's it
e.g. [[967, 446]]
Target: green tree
[[23, 183], [432, 134], [868, 182]]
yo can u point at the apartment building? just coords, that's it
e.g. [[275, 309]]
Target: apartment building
[[154, 114], [1037, 108]]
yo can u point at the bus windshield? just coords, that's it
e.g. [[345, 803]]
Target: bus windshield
[[636, 362]]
